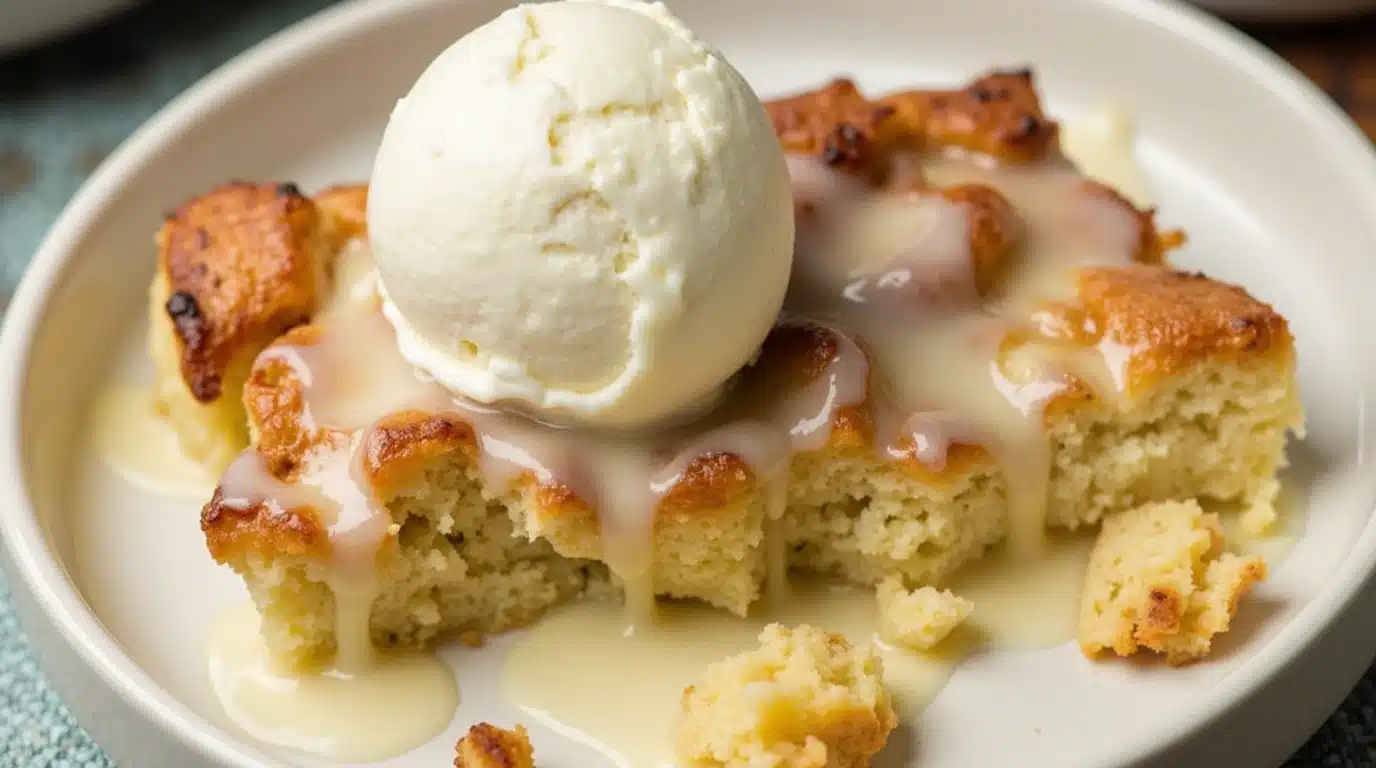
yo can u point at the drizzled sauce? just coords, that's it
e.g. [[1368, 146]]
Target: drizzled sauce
[[398, 701], [898, 275], [891, 279]]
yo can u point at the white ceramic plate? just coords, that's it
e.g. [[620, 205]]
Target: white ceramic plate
[[1277, 190]]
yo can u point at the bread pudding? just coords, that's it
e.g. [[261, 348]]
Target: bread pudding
[[977, 343]]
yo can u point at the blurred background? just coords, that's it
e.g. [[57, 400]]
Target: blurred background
[[78, 76]]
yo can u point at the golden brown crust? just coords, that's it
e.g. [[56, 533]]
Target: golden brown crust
[[487, 746], [403, 443], [710, 482], [345, 210], [793, 356], [233, 529], [999, 114], [399, 446], [1170, 320], [835, 123], [244, 263]]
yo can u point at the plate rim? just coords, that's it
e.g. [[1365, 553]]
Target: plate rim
[[34, 567]]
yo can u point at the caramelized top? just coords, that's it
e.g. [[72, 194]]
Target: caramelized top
[[1169, 321], [835, 123], [998, 114], [243, 263]]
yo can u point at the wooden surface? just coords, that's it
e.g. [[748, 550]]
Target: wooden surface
[[1340, 57]]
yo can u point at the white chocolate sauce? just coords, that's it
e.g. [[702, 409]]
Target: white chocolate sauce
[[1018, 605], [1025, 605], [920, 341], [136, 441], [403, 698], [554, 674]]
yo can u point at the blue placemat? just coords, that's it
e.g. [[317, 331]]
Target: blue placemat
[[62, 109]]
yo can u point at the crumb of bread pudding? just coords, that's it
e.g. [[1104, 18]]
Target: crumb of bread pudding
[[487, 746], [805, 698], [1159, 580], [921, 618]]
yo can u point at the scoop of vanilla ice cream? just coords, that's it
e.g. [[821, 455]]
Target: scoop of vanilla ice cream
[[582, 208]]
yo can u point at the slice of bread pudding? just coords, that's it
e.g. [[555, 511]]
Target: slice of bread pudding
[[1190, 392]]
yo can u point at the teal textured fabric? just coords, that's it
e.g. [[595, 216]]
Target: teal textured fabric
[[62, 109]]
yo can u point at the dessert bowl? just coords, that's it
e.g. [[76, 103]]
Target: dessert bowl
[[1276, 188]]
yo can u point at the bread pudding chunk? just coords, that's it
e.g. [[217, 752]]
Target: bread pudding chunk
[[236, 268], [804, 699], [1159, 580]]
